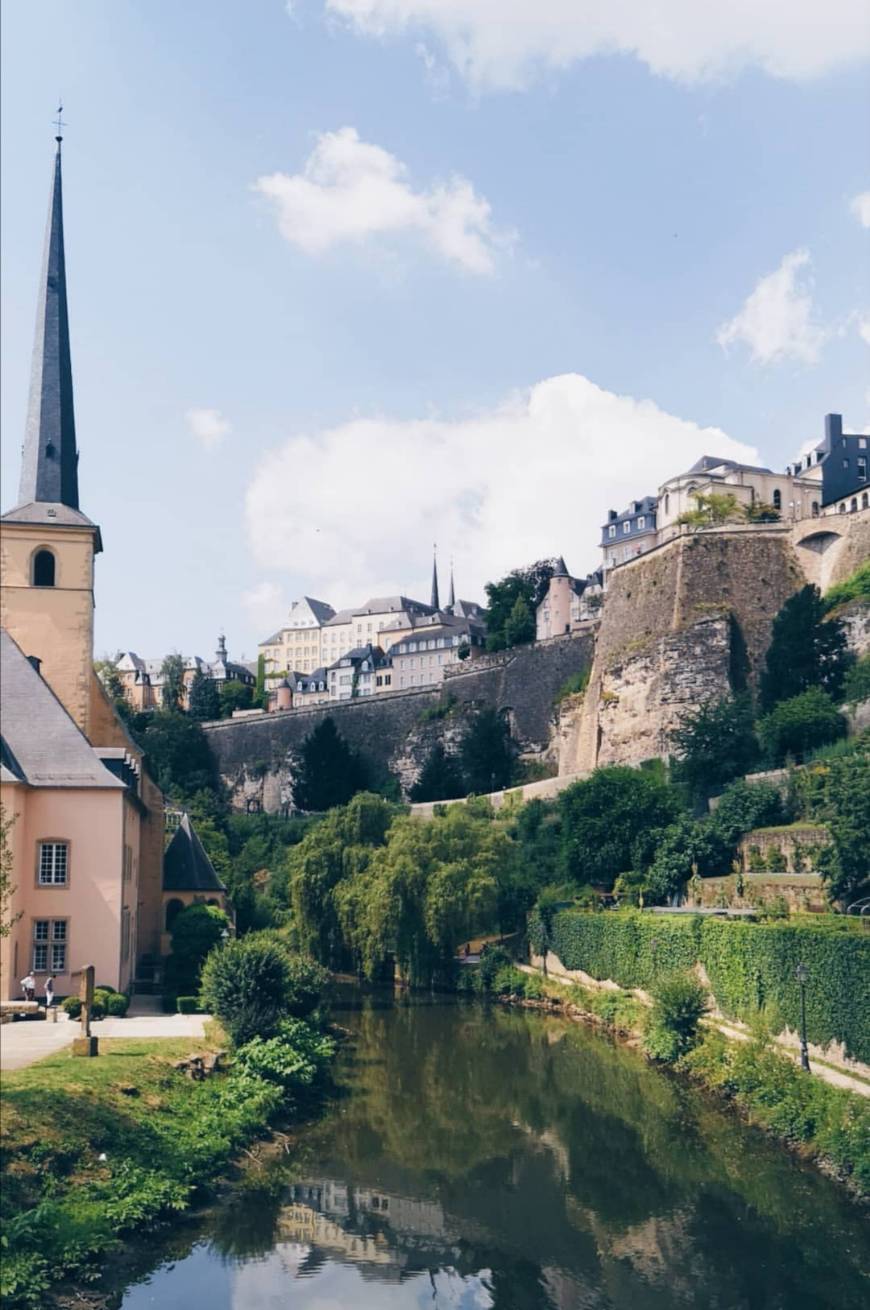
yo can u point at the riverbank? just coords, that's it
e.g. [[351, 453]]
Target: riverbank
[[95, 1149], [826, 1125]]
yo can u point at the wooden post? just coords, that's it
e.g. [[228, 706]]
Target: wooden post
[[86, 1044]]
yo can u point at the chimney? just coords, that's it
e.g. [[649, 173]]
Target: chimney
[[35, 662], [611, 515], [833, 430]]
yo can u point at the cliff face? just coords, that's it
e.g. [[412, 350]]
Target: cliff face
[[690, 622], [685, 624], [395, 733]]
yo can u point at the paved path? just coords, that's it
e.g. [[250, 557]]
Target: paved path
[[24, 1043]]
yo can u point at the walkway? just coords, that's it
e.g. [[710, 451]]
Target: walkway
[[26, 1042]]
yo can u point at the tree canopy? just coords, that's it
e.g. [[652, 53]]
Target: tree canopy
[[806, 650], [529, 585], [603, 817], [440, 777], [204, 700], [485, 753], [715, 744], [328, 771]]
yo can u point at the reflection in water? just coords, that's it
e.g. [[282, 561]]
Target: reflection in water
[[495, 1159]]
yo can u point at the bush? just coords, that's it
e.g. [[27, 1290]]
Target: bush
[[856, 687], [679, 1001], [509, 981], [251, 985], [187, 1004], [295, 1057], [492, 959], [801, 724], [117, 1005]]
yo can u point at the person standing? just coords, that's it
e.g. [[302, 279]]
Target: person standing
[[49, 993], [28, 986]]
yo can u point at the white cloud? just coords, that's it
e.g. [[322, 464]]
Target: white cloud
[[864, 330], [208, 426], [266, 603], [776, 320], [502, 44], [531, 478], [860, 207], [350, 191]]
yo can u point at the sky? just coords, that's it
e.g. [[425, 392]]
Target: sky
[[348, 278]]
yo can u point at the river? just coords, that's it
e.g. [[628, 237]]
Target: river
[[481, 1157]]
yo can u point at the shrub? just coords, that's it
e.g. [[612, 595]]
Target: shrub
[[509, 981], [187, 1004], [295, 1057], [856, 688], [250, 986], [492, 959], [679, 1001], [801, 724], [117, 1005]]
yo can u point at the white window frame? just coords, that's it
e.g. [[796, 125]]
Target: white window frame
[[52, 865], [52, 937]]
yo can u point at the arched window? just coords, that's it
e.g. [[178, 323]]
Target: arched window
[[777, 499], [853, 506], [43, 569], [842, 507], [173, 909], [815, 509], [864, 501]]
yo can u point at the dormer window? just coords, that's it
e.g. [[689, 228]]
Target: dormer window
[[611, 531], [43, 568], [641, 523], [626, 527]]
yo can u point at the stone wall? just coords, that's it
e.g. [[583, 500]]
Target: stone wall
[[394, 733]]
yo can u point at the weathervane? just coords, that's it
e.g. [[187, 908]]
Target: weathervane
[[58, 122]]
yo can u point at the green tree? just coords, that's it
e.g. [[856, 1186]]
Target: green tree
[[234, 695], [106, 670], [603, 816], [195, 932], [845, 863], [800, 724], [7, 887], [806, 650], [440, 778], [172, 673], [252, 984], [338, 847], [520, 625], [260, 697], [528, 584], [715, 744], [679, 1003], [761, 512], [328, 771], [686, 847], [204, 700], [712, 510], [856, 687], [744, 806], [485, 753], [177, 753]]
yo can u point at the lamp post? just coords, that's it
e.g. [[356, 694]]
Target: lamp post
[[802, 974]]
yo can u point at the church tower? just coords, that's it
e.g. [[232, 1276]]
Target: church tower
[[47, 545]]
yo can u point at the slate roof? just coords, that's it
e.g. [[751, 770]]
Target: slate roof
[[389, 605], [709, 462], [186, 867], [42, 745], [342, 616], [319, 609]]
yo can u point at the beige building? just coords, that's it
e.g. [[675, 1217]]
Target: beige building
[[142, 680], [87, 821], [568, 603], [298, 646], [793, 496], [420, 658]]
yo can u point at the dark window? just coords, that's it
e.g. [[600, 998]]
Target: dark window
[[777, 499], [43, 569], [815, 509], [173, 909]]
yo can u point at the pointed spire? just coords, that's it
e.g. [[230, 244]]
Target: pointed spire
[[451, 602], [49, 470], [560, 570], [435, 603]]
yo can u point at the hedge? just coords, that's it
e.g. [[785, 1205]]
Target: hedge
[[749, 965], [752, 965]]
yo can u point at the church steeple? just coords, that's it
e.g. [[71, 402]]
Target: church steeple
[[49, 469], [435, 603], [451, 601]]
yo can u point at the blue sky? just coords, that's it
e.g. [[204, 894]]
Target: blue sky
[[372, 273]]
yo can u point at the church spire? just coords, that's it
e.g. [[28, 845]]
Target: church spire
[[452, 597], [435, 602], [49, 469]]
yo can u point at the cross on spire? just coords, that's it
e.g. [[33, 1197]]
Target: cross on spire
[[59, 123]]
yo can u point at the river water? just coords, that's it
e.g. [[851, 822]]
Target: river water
[[480, 1157]]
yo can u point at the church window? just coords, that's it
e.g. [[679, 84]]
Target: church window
[[43, 569], [777, 499]]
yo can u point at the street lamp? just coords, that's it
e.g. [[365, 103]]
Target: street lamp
[[225, 936], [802, 974]]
